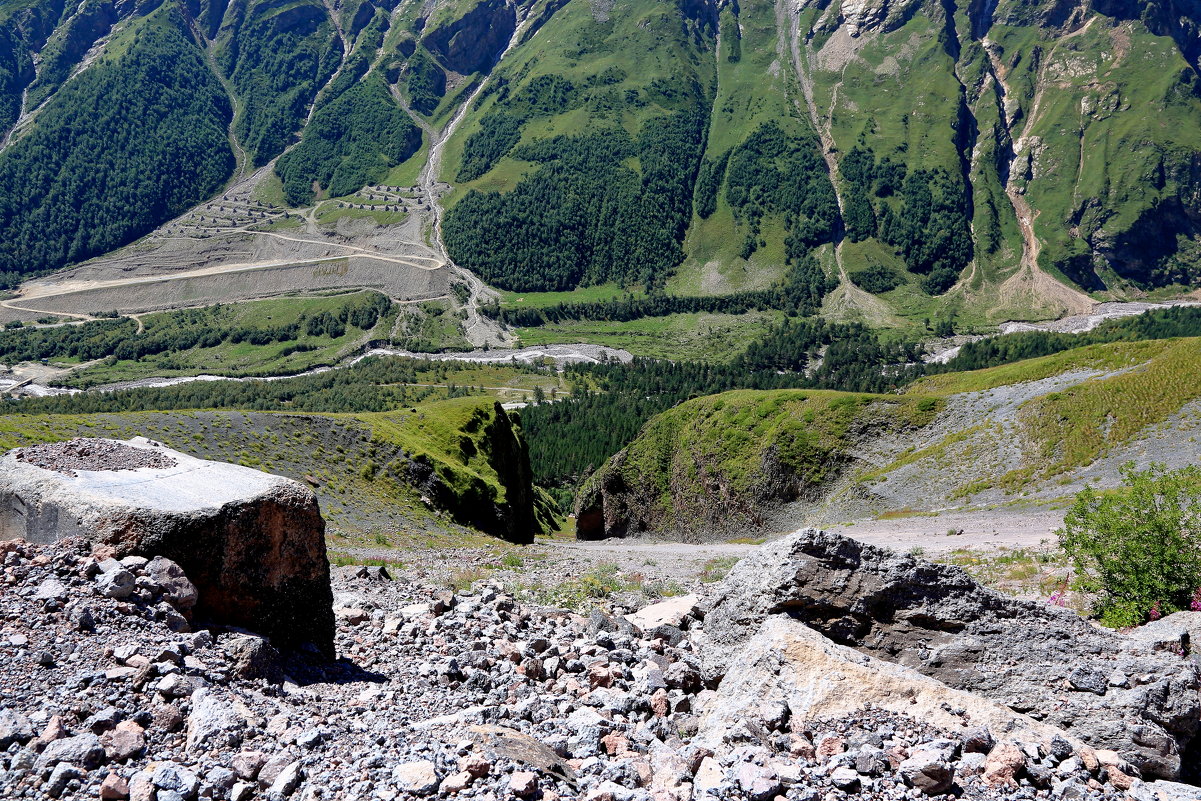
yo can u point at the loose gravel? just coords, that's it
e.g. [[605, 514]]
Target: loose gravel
[[92, 455], [108, 690]]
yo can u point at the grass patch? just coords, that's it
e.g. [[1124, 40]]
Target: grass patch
[[252, 321], [1112, 356], [700, 337], [718, 568], [743, 441], [463, 580], [585, 294], [583, 592], [1024, 572], [1075, 427]]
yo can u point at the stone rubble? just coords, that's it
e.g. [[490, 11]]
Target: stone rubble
[[91, 454], [437, 694]]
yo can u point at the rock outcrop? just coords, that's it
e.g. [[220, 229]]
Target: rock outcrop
[[1110, 691], [788, 669], [474, 41], [505, 506], [253, 544]]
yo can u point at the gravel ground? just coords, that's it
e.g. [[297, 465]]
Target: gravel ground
[[981, 530], [108, 690], [92, 454]]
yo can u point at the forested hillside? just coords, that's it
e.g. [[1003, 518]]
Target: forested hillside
[[612, 141], [885, 162], [137, 138]]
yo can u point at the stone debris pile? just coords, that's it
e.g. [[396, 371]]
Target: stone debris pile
[[108, 690], [92, 454]]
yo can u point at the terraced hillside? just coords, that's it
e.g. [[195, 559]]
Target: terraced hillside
[[1028, 434], [896, 162]]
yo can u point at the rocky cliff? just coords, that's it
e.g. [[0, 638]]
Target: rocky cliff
[[484, 479]]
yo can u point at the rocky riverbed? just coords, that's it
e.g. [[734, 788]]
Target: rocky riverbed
[[113, 690]]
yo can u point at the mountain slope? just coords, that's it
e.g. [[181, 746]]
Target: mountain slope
[[138, 137], [909, 160], [1030, 433], [376, 474]]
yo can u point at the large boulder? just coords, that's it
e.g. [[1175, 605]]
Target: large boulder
[[1179, 632], [1110, 691], [252, 543], [787, 663]]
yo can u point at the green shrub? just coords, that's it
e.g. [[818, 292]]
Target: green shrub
[[877, 279], [1138, 549], [583, 592]]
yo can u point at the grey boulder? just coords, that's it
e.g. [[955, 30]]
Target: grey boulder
[[1035, 658], [213, 723], [14, 728], [84, 750]]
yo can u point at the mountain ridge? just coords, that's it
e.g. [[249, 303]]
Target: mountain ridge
[[913, 160]]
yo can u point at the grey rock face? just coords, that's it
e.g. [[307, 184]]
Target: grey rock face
[[50, 590], [177, 589], [60, 778], [1164, 791], [1180, 632], [241, 546], [253, 658], [938, 621], [173, 778]]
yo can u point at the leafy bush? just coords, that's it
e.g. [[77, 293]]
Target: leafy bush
[[1138, 549]]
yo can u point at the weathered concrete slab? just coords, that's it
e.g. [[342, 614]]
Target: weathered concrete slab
[[253, 543]]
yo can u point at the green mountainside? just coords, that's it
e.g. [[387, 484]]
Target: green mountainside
[[888, 161], [381, 477], [1032, 431]]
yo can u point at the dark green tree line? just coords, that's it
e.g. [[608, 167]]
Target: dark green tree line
[[126, 145], [583, 217], [351, 142]]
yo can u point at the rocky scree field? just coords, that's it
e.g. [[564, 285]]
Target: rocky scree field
[[118, 693]]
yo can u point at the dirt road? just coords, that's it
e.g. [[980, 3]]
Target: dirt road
[[984, 531]]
